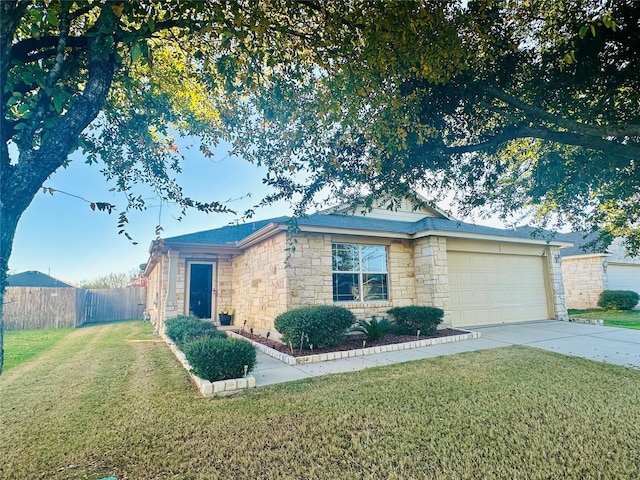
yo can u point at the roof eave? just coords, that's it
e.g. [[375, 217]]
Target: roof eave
[[490, 237], [260, 235]]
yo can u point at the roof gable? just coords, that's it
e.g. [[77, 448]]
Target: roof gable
[[405, 209]]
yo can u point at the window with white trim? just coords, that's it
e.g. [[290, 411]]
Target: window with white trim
[[359, 272]]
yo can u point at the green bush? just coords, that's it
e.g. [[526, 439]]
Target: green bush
[[618, 299], [220, 358], [320, 326], [184, 329], [414, 318], [374, 329]]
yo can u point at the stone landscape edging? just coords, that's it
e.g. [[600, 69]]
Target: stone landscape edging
[[221, 388], [323, 357], [591, 321]]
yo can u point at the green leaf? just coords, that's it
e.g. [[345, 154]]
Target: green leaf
[[136, 52], [58, 99], [52, 19], [583, 31]]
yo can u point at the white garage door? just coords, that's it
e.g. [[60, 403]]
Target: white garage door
[[624, 277], [488, 288]]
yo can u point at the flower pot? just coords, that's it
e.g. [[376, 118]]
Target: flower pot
[[225, 319]]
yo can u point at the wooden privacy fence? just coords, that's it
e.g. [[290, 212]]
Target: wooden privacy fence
[[27, 308], [114, 304]]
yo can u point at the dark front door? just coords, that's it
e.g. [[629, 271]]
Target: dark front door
[[200, 289]]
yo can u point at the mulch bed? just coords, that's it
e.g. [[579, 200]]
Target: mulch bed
[[351, 342]]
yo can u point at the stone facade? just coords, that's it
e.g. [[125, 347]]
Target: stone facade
[[258, 277], [585, 277], [270, 277], [557, 290], [310, 275], [431, 274], [308, 271]]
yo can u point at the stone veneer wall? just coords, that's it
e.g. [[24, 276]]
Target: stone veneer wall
[[154, 293], [584, 279], [310, 278], [259, 283], [432, 275], [309, 274], [167, 283], [222, 281], [555, 272]]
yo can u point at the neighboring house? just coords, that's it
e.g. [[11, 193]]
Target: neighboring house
[[366, 263], [587, 273], [35, 300], [34, 278]]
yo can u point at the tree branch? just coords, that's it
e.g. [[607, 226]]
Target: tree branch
[[571, 125], [31, 49], [624, 151]]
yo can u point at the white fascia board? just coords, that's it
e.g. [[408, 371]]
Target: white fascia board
[[184, 247], [354, 232], [432, 233], [488, 237], [584, 255], [260, 235]]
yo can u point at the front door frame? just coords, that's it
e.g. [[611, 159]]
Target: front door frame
[[214, 277]]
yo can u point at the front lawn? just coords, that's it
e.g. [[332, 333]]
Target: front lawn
[[612, 318], [111, 400]]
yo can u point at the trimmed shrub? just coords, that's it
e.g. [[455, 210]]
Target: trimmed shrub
[[414, 318], [321, 326], [184, 329], [618, 299], [374, 329], [220, 358]]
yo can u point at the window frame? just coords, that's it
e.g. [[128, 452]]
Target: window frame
[[361, 273]]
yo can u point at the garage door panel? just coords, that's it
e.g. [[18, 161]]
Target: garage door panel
[[488, 288], [624, 277]]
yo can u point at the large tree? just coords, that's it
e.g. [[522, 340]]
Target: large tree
[[519, 106], [514, 104], [120, 80]]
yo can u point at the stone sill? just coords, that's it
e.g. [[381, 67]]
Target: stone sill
[[323, 357], [222, 388], [365, 304]]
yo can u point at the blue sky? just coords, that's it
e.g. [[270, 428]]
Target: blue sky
[[61, 235]]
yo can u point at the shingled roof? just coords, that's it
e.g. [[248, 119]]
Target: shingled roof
[[34, 278], [233, 234]]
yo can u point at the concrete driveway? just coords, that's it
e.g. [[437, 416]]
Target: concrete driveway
[[618, 346]]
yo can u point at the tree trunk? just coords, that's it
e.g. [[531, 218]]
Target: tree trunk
[[8, 225]]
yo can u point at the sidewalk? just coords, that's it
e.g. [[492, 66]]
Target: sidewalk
[[607, 344]]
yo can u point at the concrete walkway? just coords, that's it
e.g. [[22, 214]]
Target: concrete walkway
[[618, 346]]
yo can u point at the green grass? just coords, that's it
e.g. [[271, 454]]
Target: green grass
[[22, 345], [111, 400], [612, 318]]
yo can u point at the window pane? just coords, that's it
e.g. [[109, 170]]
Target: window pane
[[345, 257], [345, 287], [374, 286], [374, 259]]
